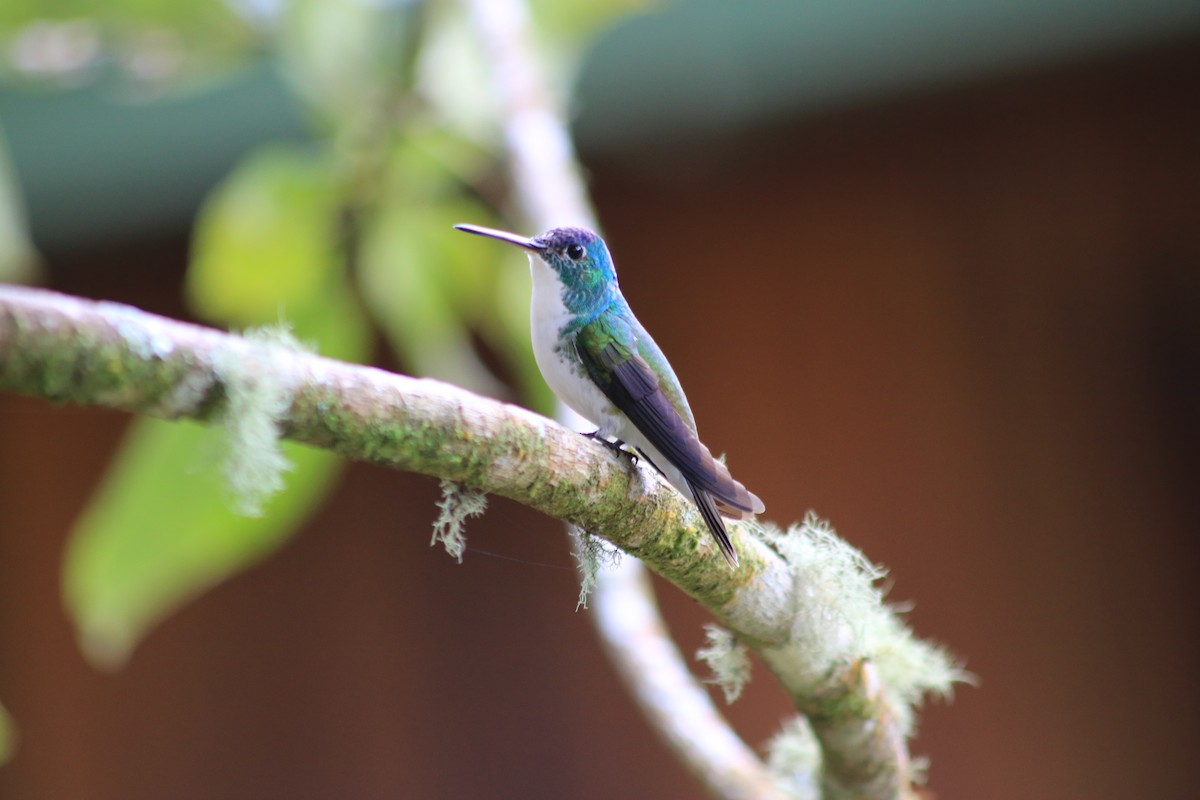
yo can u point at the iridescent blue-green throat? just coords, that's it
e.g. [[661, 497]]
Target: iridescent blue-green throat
[[601, 362]]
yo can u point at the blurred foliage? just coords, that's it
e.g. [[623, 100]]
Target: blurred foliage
[[61, 40], [266, 247], [161, 529], [565, 28], [348, 239], [208, 18], [8, 735], [18, 262]]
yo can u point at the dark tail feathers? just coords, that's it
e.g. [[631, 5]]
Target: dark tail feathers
[[712, 518]]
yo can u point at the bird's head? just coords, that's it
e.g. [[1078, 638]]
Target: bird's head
[[577, 257]]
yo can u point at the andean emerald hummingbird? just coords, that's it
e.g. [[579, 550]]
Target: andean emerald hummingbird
[[600, 361]]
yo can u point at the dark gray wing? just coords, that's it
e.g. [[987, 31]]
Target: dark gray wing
[[629, 382]]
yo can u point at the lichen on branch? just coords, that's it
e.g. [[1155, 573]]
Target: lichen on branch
[[456, 505], [852, 668]]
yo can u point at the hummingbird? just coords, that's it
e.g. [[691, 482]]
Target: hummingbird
[[599, 360]]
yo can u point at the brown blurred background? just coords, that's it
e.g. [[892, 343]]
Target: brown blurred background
[[963, 324]]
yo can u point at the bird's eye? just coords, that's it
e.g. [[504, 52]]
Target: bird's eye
[[574, 251]]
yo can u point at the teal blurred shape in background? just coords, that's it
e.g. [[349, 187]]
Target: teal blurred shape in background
[[95, 167], [710, 67]]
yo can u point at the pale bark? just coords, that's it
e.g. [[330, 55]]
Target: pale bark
[[104, 354]]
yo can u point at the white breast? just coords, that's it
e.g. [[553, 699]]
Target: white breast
[[547, 317]]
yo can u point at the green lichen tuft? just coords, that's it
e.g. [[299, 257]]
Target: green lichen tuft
[[591, 553], [256, 399], [794, 758], [728, 659], [841, 618], [457, 504]]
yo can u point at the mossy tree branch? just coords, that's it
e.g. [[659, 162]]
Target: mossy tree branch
[[70, 350], [104, 354]]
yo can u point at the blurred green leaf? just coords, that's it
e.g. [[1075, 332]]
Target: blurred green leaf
[[161, 528], [570, 23], [346, 57], [265, 240], [455, 77], [18, 262], [149, 39], [433, 288], [418, 297], [8, 736], [160, 531], [199, 13], [267, 249], [565, 28]]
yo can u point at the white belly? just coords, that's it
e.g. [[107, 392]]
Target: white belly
[[565, 377], [548, 316]]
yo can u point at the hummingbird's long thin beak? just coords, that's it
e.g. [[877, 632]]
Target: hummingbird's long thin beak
[[504, 236]]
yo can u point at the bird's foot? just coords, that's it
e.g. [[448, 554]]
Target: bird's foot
[[616, 445]]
